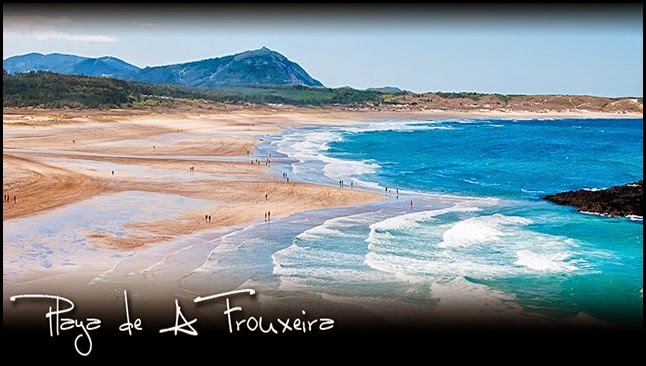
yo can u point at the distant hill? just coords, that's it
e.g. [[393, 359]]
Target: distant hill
[[105, 66], [250, 68], [70, 64], [387, 90]]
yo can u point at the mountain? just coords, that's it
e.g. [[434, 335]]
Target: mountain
[[251, 68], [55, 62], [257, 67], [105, 66]]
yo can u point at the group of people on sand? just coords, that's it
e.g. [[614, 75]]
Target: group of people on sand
[[286, 177], [389, 192], [342, 184], [207, 218], [191, 168], [7, 198], [267, 216]]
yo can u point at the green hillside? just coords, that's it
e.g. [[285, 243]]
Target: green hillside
[[50, 90]]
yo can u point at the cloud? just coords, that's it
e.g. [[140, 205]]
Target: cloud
[[53, 34], [45, 28], [145, 24]]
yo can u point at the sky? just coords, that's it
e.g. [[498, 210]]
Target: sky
[[520, 50]]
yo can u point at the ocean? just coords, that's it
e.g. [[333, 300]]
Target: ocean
[[477, 235]]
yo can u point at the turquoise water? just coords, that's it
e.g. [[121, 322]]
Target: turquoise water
[[478, 232]]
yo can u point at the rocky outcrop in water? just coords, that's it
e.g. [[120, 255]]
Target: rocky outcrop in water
[[614, 201]]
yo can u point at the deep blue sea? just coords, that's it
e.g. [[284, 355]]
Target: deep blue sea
[[477, 235]]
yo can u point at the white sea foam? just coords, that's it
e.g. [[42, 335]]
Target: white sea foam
[[309, 146], [411, 219], [546, 262], [478, 230], [333, 227], [490, 246], [295, 255], [399, 126], [530, 191], [339, 169], [635, 218], [592, 189]]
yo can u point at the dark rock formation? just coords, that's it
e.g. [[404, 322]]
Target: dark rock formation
[[614, 201]]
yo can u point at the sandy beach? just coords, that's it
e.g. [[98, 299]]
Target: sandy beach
[[50, 159]]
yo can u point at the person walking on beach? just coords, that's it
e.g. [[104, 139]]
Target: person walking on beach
[[351, 185], [14, 199], [266, 196], [268, 216], [209, 218], [206, 218], [265, 217], [411, 204]]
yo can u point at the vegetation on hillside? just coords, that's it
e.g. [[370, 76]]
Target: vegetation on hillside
[[50, 90]]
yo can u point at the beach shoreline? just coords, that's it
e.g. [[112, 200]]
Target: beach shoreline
[[37, 142]]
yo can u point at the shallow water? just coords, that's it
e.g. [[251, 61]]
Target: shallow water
[[57, 239]]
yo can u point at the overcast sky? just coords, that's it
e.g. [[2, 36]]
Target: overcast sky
[[525, 51]]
